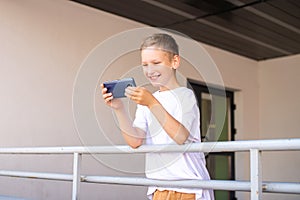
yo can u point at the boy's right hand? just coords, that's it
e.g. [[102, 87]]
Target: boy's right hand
[[109, 99]]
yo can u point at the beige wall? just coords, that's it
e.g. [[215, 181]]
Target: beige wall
[[279, 113], [44, 43], [279, 97]]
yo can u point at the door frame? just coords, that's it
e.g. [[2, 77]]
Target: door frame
[[217, 90]]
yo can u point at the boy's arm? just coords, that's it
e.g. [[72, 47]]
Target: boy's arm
[[172, 127], [133, 136]]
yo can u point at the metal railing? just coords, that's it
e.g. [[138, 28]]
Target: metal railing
[[255, 185]]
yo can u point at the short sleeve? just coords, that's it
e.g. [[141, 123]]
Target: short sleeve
[[140, 120], [191, 115]]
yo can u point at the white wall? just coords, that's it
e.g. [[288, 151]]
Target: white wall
[[43, 44]]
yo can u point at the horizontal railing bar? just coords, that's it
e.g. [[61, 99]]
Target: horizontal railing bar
[[229, 146], [280, 187], [37, 175], [272, 187], [137, 181]]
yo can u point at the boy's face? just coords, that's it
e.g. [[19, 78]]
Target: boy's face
[[159, 67]]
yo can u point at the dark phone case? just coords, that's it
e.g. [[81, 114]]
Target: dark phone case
[[117, 87]]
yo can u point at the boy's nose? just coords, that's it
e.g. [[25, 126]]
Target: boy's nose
[[148, 69]]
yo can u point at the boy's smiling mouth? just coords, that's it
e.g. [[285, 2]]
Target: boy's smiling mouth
[[154, 76]]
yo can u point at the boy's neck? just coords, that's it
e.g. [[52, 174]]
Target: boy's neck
[[169, 86]]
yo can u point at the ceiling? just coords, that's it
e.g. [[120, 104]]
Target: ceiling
[[260, 30]]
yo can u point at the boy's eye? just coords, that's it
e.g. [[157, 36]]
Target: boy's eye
[[151, 64]]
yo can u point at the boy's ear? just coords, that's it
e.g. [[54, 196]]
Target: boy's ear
[[176, 61]]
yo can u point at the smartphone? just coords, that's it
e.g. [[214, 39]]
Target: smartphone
[[117, 87]]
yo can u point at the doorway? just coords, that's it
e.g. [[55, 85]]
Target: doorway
[[217, 124]]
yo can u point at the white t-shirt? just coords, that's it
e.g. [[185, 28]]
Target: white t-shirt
[[182, 105]]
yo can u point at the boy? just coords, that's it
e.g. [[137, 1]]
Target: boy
[[168, 116]]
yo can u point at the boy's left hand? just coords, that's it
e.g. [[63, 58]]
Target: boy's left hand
[[141, 95]]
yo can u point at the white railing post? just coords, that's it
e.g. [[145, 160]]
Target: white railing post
[[256, 174], [76, 176]]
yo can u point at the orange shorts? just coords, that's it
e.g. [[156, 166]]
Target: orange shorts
[[172, 195]]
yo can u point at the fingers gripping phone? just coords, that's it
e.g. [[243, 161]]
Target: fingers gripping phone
[[117, 87]]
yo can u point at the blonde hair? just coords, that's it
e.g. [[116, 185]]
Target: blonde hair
[[162, 42]]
